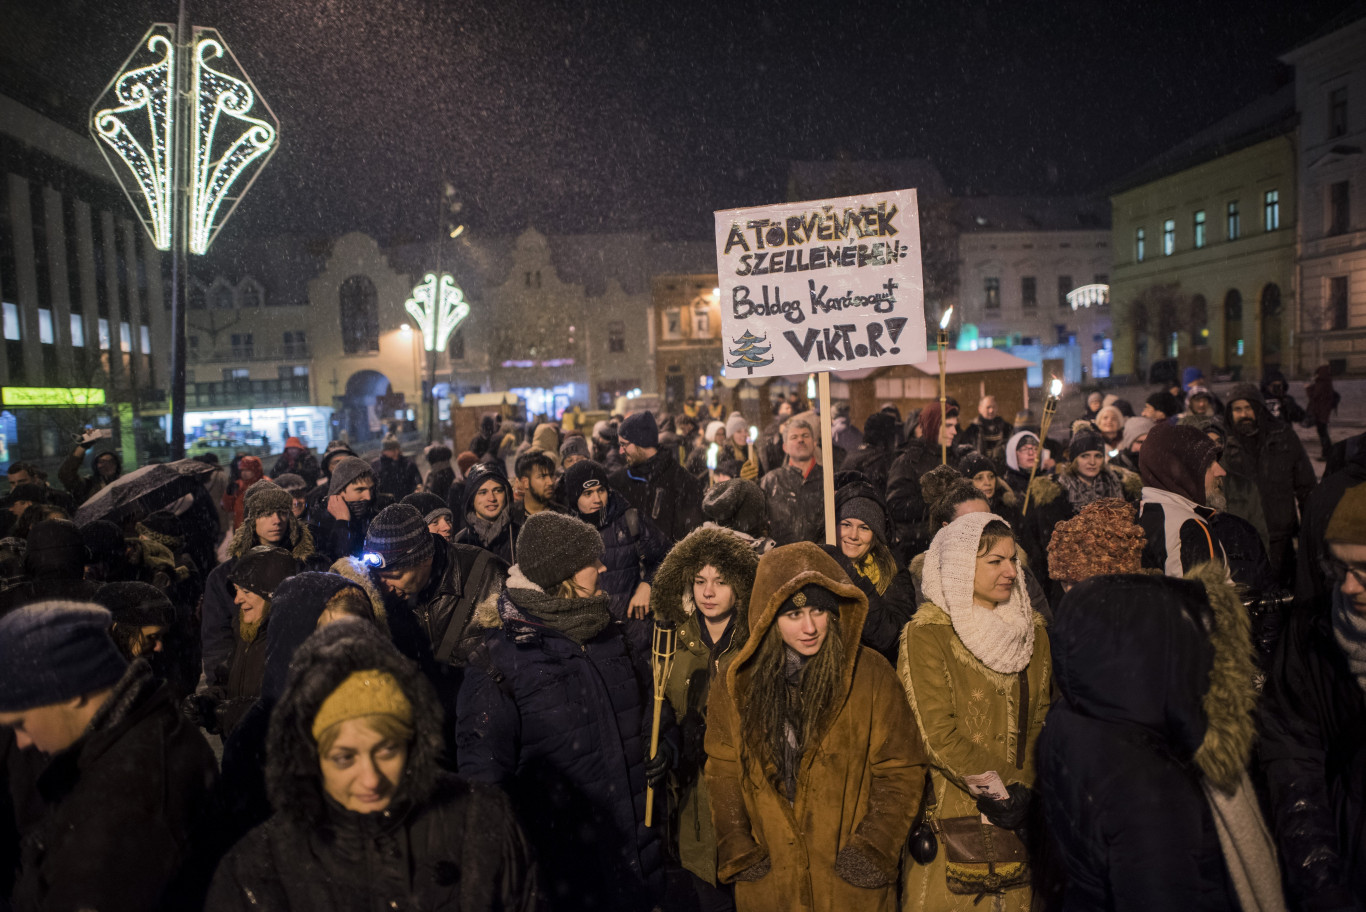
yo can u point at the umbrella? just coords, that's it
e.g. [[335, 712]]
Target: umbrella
[[143, 490]]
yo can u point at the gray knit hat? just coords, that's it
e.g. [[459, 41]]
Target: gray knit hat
[[867, 511], [345, 471], [430, 506], [552, 547], [574, 445], [399, 536], [291, 482], [53, 651]]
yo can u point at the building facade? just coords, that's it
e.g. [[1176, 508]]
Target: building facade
[[1330, 85], [1203, 241]]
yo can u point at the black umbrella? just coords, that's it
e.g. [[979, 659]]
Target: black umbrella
[[143, 490]]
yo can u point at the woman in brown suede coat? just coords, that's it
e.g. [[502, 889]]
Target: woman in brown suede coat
[[814, 765]]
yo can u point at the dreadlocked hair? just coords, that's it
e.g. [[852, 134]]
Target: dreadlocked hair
[[767, 708]]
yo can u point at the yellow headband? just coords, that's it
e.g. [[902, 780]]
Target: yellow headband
[[364, 693]]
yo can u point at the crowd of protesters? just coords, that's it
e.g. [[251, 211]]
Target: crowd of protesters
[[1122, 665]]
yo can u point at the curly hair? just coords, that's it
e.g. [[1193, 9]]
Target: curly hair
[[1103, 538]]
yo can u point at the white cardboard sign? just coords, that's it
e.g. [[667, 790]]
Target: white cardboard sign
[[827, 285]]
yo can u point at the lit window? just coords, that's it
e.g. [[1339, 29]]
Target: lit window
[[11, 322], [1271, 210], [105, 338], [145, 333], [1169, 237], [77, 331], [992, 287], [1235, 221], [45, 333], [1199, 228], [1140, 244], [125, 338]]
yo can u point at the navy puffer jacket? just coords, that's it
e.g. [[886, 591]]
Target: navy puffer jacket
[[561, 728]]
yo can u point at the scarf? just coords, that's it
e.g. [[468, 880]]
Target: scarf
[[1249, 852], [793, 665], [580, 619], [1082, 491], [1349, 629], [488, 530], [1002, 638], [867, 568]]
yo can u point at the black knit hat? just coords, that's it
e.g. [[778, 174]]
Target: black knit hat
[[346, 470], [973, 463], [811, 595], [641, 429], [580, 478], [399, 537], [1164, 402], [52, 651], [262, 569], [135, 603], [430, 506], [33, 493], [1085, 442], [737, 504], [552, 547]]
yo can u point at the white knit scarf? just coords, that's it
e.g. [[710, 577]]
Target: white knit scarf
[[1002, 639], [1349, 629]]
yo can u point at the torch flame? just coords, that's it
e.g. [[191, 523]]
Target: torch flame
[[1055, 388], [753, 433], [944, 320]]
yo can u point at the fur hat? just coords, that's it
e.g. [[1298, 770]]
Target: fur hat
[[737, 504], [162, 527], [52, 651], [552, 547], [263, 499], [346, 470], [641, 429], [1102, 538], [935, 483], [735, 424], [1348, 522], [1001, 638]]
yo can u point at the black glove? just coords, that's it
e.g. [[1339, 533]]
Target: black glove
[[1008, 813], [202, 709], [756, 871], [657, 767], [858, 869]]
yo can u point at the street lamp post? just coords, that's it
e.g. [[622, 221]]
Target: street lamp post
[[180, 128]]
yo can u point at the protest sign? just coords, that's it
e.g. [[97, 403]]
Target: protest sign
[[826, 285]]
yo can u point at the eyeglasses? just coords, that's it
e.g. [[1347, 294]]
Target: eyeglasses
[[1337, 571]]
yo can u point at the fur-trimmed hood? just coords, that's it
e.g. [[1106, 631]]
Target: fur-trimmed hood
[[326, 658], [356, 571], [1170, 656], [671, 590]]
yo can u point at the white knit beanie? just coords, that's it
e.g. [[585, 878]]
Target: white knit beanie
[[712, 428], [1002, 639]]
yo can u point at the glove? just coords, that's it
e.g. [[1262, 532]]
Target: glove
[[857, 869], [756, 871], [202, 710], [657, 767], [1008, 813], [750, 470]]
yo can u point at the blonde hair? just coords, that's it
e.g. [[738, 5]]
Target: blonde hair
[[384, 725]]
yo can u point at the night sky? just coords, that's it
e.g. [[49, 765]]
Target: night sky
[[611, 115]]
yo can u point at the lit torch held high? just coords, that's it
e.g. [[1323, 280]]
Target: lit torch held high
[[943, 388], [1050, 405]]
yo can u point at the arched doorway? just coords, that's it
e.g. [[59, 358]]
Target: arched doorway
[[1272, 325], [358, 412], [1233, 330]]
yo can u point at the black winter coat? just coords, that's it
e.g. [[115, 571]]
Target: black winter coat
[[1313, 752], [663, 491], [125, 807], [1275, 460], [561, 727], [905, 498], [796, 504], [442, 844], [1123, 800], [632, 550], [304, 464], [396, 477], [873, 463], [888, 612], [440, 479]]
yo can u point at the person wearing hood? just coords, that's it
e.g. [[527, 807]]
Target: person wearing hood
[[435, 513], [1143, 763], [1200, 401], [1131, 443], [301, 604], [365, 818], [296, 460], [975, 665], [1276, 394], [1022, 452], [268, 520], [922, 453], [339, 520], [874, 457], [1269, 452], [54, 567], [107, 467], [632, 549], [235, 685], [1322, 402], [703, 588], [653, 482], [440, 473], [1180, 469], [1001, 500], [487, 511], [553, 711], [1095, 401], [988, 431], [862, 553], [813, 765], [126, 782], [249, 472], [739, 507]]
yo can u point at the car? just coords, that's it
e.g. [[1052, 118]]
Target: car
[[225, 448]]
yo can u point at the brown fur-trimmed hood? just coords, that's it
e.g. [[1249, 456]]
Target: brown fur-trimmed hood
[[671, 590], [356, 571]]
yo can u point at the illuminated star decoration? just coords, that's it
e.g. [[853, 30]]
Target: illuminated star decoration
[[438, 307], [228, 146]]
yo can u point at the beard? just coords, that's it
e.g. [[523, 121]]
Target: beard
[[1214, 495], [1246, 427]]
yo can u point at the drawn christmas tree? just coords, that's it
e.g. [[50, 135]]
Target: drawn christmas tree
[[749, 352]]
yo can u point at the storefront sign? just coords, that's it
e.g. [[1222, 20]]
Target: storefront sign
[[43, 395], [819, 286]]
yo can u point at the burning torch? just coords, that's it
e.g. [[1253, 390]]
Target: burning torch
[[943, 392], [1050, 405]]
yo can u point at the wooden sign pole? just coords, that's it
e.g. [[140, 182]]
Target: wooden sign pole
[[827, 456]]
